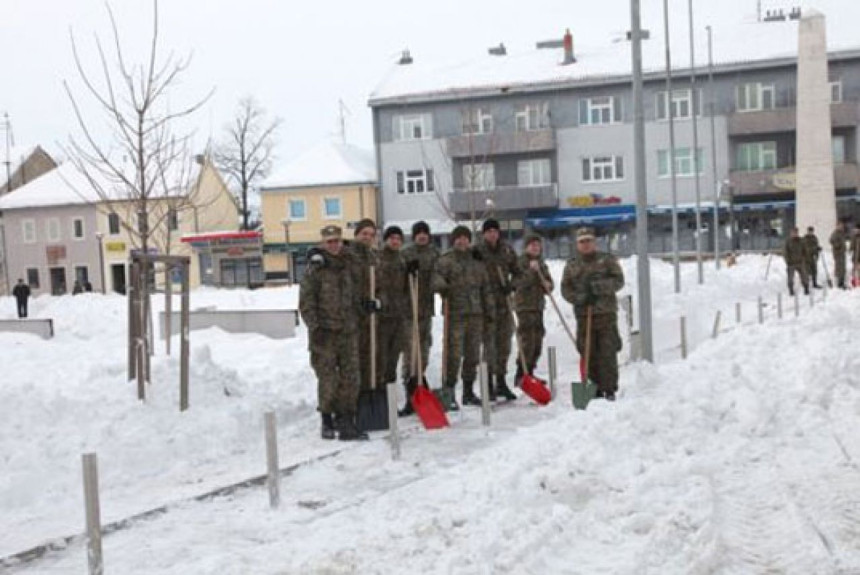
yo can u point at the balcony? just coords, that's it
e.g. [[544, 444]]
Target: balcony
[[846, 176], [496, 143], [842, 114], [505, 198]]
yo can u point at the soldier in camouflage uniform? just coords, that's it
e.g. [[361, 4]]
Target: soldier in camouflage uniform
[[463, 283], [420, 258], [810, 241], [362, 255], [501, 263], [533, 283], [796, 260], [838, 239], [855, 257], [330, 311], [394, 300], [591, 281]]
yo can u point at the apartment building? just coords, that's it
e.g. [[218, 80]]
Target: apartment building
[[544, 140]]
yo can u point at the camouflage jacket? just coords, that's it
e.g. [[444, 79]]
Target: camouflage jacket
[[837, 241], [810, 241], [500, 258], [592, 279], [855, 247], [327, 299], [361, 258], [462, 281], [427, 257], [530, 294], [392, 287], [794, 252]]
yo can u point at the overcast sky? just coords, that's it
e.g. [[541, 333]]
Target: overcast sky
[[298, 59]]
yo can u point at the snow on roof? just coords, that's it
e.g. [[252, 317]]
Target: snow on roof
[[66, 185], [326, 164], [737, 42]]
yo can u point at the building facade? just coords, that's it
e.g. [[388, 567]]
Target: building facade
[[555, 151]]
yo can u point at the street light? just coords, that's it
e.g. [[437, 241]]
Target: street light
[[286, 223], [100, 236]]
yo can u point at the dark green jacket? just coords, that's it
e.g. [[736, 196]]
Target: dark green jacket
[[530, 294], [794, 252], [392, 287], [810, 241], [327, 299], [427, 256], [595, 277], [462, 281], [838, 239], [500, 258]]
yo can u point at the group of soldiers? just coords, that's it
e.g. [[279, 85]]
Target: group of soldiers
[[482, 285], [802, 253]]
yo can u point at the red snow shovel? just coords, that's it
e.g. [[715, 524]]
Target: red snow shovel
[[532, 386], [425, 403]]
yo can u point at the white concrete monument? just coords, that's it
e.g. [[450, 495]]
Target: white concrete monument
[[816, 189]]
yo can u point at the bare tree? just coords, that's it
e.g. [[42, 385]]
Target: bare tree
[[246, 154]]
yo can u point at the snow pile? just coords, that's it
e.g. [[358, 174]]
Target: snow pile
[[741, 459]]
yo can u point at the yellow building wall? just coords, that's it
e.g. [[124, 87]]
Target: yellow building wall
[[357, 202], [208, 207]]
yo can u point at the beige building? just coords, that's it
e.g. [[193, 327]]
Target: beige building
[[59, 230], [329, 184]]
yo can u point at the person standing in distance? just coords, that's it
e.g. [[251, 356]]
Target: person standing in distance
[[21, 291], [838, 239]]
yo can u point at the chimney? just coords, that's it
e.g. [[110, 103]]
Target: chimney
[[405, 58], [499, 50], [568, 48]]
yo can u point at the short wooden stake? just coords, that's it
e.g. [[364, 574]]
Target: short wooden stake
[[393, 430], [485, 393], [738, 312], [779, 305], [796, 305], [760, 310], [811, 298], [716, 331], [553, 371], [273, 479], [93, 513], [683, 337]]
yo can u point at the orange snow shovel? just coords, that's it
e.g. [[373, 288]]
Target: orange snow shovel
[[424, 402], [532, 386]]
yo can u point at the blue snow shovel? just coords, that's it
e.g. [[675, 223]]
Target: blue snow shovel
[[585, 390]]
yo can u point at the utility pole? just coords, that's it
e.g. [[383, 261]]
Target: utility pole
[[343, 111], [676, 258], [7, 126], [711, 103], [643, 265], [696, 166]]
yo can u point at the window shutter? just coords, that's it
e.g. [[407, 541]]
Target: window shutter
[[586, 169], [396, 136], [616, 109], [661, 105], [619, 167], [401, 184], [431, 186], [583, 112]]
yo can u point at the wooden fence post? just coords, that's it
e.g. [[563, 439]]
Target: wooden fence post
[[93, 513], [553, 371], [683, 337], [393, 430], [483, 375], [738, 312], [717, 324], [273, 479]]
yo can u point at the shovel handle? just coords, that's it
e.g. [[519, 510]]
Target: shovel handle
[[558, 311]]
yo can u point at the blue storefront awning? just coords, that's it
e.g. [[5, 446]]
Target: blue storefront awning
[[590, 216]]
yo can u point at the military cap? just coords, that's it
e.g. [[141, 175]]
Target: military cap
[[392, 231], [532, 238], [461, 231], [364, 223], [584, 233], [330, 232], [490, 224]]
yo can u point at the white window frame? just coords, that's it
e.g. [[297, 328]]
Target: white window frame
[[683, 97], [835, 91], [750, 97], [414, 182], [610, 110], [325, 214], [28, 231], [290, 215], [600, 169], [840, 160], [684, 163], [406, 124], [477, 121], [53, 233], [765, 152], [73, 234], [531, 117], [534, 173], [479, 177]]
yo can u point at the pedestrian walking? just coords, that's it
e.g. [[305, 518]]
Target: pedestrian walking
[[21, 291]]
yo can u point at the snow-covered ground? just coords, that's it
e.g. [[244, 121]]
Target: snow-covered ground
[[742, 459]]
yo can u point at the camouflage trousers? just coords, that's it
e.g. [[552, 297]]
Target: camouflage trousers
[[497, 342], [334, 357], [390, 336], [839, 268], [800, 270], [605, 345], [812, 270], [363, 337], [464, 345], [425, 329], [530, 333]]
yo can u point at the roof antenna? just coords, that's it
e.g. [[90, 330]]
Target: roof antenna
[[343, 112]]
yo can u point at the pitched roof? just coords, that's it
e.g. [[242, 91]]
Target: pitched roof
[[736, 41], [17, 155], [326, 164], [66, 185]]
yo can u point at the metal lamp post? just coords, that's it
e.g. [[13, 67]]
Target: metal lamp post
[[286, 223], [100, 237]]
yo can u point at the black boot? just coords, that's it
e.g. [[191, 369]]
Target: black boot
[[410, 386], [347, 430], [491, 389], [469, 397], [518, 376], [448, 398], [806, 290], [503, 390], [327, 431]]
